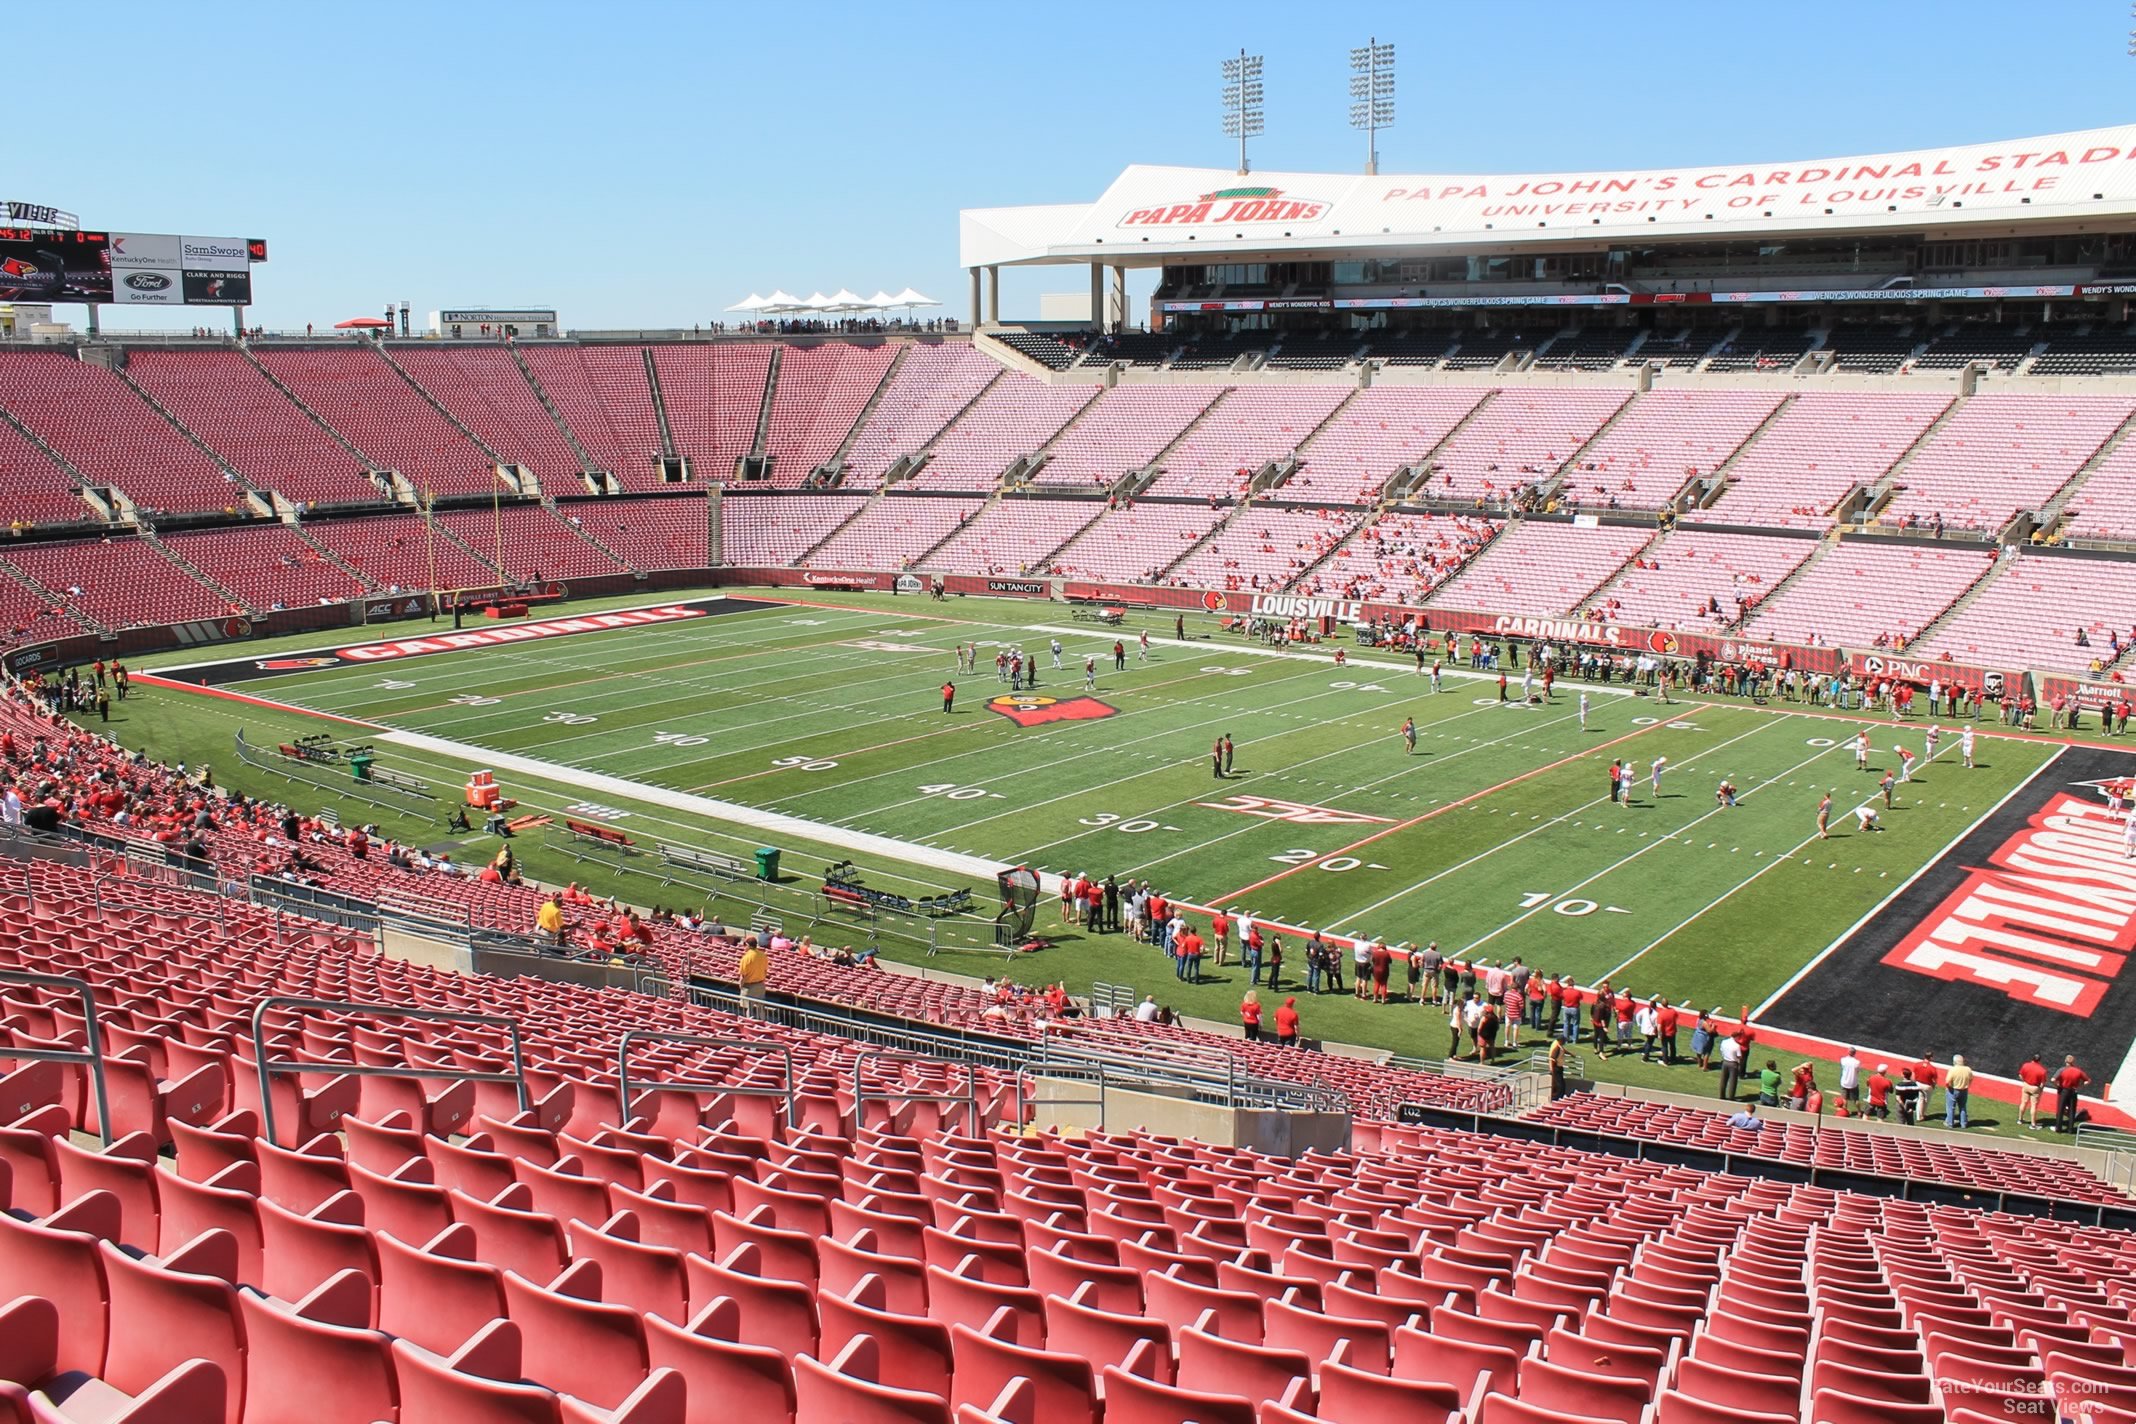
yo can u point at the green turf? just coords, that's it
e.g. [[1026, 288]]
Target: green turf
[[1496, 839]]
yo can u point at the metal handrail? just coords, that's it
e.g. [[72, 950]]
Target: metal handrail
[[861, 1096], [748, 1045], [269, 1067], [93, 1057]]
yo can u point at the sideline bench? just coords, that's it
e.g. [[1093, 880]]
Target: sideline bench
[[591, 836], [706, 862], [401, 781]]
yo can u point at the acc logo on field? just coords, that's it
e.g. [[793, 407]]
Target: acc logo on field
[[1032, 710], [1664, 643], [1215, 602], [288, 664]]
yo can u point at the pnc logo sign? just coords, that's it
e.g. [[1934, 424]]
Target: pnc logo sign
[[1229, 205]]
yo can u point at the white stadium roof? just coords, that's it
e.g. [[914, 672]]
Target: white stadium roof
[[2072, 182]]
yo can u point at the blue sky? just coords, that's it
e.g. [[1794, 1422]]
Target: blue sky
[[637, 164]]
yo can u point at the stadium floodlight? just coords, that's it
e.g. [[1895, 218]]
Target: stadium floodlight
[[1242, 101], [1372, 95]]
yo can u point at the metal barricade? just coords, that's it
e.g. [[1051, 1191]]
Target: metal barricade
[[784, 1054], [92, 1057], [862, 1096], [268, 1067]]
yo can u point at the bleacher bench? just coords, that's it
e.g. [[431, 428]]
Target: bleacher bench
[[708, 862]]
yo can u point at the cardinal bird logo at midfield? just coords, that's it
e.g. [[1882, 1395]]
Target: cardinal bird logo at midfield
[[1028, 709]]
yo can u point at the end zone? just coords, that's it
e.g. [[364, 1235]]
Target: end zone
[[383, 650]]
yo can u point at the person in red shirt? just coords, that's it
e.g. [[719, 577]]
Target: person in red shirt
[[1250, 1015], [1880, 1092], [2069, 1085], [949, 696], [1287, 1024], [1220, 932], [2031, 1079], [1668, 1019], [1187, 951], [1159, 912], [1926, 1075], [1627, 1007]]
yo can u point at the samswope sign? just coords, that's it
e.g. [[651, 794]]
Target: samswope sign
[[160, 269]]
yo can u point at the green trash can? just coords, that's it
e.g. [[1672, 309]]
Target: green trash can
[[360, 766], [767, 858]]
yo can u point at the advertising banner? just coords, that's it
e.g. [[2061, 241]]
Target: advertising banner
[[166, 269], [146, 269]]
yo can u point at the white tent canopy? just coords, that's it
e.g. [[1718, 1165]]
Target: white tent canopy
[[844, 301]]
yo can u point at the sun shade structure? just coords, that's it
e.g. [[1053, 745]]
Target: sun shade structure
[[750, 303]]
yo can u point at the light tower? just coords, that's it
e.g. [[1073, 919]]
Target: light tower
[[1372, 95], [1242, 101]]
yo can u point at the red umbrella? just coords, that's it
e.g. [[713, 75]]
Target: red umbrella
[[363, 323]]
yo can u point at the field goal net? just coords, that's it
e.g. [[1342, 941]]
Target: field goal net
[[1019, 905]]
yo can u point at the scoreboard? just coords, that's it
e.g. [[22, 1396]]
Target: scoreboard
[[44, 264]]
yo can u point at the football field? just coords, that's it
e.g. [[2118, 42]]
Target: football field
[[1497, 837]]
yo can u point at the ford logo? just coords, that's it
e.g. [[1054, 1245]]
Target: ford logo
[[148, 281]]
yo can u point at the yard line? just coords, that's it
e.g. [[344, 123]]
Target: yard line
[[1666, 838], [1485, 854], [1711, 905], [1437, 811]]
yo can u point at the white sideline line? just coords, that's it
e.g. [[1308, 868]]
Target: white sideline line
[[773, 822], [1409, 669]]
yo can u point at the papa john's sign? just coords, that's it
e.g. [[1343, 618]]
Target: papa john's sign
[[1229, 205]]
